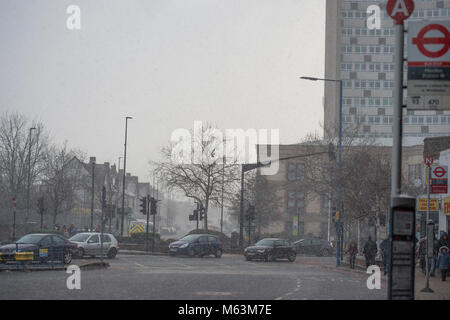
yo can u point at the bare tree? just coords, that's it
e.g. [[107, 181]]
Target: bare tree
[[260, 193], [365, 179], [20, 155], [199, 174], [60, 179]]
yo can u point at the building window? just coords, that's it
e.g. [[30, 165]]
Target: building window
[[295, 171], [295, 201]]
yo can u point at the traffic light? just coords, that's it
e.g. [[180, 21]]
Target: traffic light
[[202, 211], [143, 205], [331, 152], [194, 216], [153, 207]]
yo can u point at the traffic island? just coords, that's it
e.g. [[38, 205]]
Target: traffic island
[[83, 265], [93, 265]]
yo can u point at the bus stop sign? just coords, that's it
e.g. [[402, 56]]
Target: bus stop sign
[[400, 10]]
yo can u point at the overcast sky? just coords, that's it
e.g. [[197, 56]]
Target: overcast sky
[[166, 63]]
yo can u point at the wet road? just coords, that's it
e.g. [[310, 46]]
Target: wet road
[[164, 277]]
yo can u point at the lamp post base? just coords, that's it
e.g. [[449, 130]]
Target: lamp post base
[[427, 290]]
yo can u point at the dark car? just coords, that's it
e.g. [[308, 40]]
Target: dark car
[[271, 249], [45, 247], [314, 246], [197, 245]]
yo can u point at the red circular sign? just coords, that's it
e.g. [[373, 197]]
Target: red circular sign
[[420, 41], [14, 202], [400, 10], [439, 172], [428, 160]]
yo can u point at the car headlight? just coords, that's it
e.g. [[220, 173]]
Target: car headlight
[[261, 250], [184, 245]]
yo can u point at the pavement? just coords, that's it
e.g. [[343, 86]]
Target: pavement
[[157, 277], [441, 290]]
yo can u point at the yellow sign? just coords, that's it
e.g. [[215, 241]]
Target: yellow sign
[[24, 256], [137, 228], [422, 206], [446, 205]]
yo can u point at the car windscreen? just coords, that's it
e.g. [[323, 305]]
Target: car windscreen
[[81, 237], [190, 237], [31, 238], [265, 243]]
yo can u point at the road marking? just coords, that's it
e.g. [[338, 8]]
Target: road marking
[[213, 293], [297, 288]]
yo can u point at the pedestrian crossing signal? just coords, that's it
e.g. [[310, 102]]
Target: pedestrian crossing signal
[[143, 205]]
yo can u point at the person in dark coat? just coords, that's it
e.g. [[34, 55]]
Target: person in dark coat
[[444, 241], [370, 251], [443, 262], [385, 247], [352, 252], [421, 255]]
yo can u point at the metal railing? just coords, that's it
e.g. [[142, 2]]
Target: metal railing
[[45, 258]]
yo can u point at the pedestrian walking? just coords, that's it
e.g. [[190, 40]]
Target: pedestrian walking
[[421, 255], [370, 251], [443, 262], [444, 241], [385, 247], [352, 252]]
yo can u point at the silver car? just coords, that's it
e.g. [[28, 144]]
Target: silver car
[[89, 244]]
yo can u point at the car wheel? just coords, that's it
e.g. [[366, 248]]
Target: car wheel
[[248, 258], [325, 253], [218, 253], [292, 256], [191, 252], [112, 253], [80, 253], [68, 257]]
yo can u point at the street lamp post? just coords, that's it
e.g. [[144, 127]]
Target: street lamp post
[[124, 175], [92, 194], [118, 197], [29, 171], [338, 214]]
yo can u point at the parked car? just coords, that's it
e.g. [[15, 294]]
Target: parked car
[[197, 245], [89, 244], [271, 249], [45, 247], [167, 230], [314, 246]]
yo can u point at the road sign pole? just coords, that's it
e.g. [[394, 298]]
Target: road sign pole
[[397, 137], [154, 231], [427, 286], [241, 213], [398, 107], [148, 221], [398, 10]]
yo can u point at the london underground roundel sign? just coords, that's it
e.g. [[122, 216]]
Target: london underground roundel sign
[[422, 39], [400, 10]]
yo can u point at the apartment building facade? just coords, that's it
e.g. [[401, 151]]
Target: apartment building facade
[[364, 59]]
